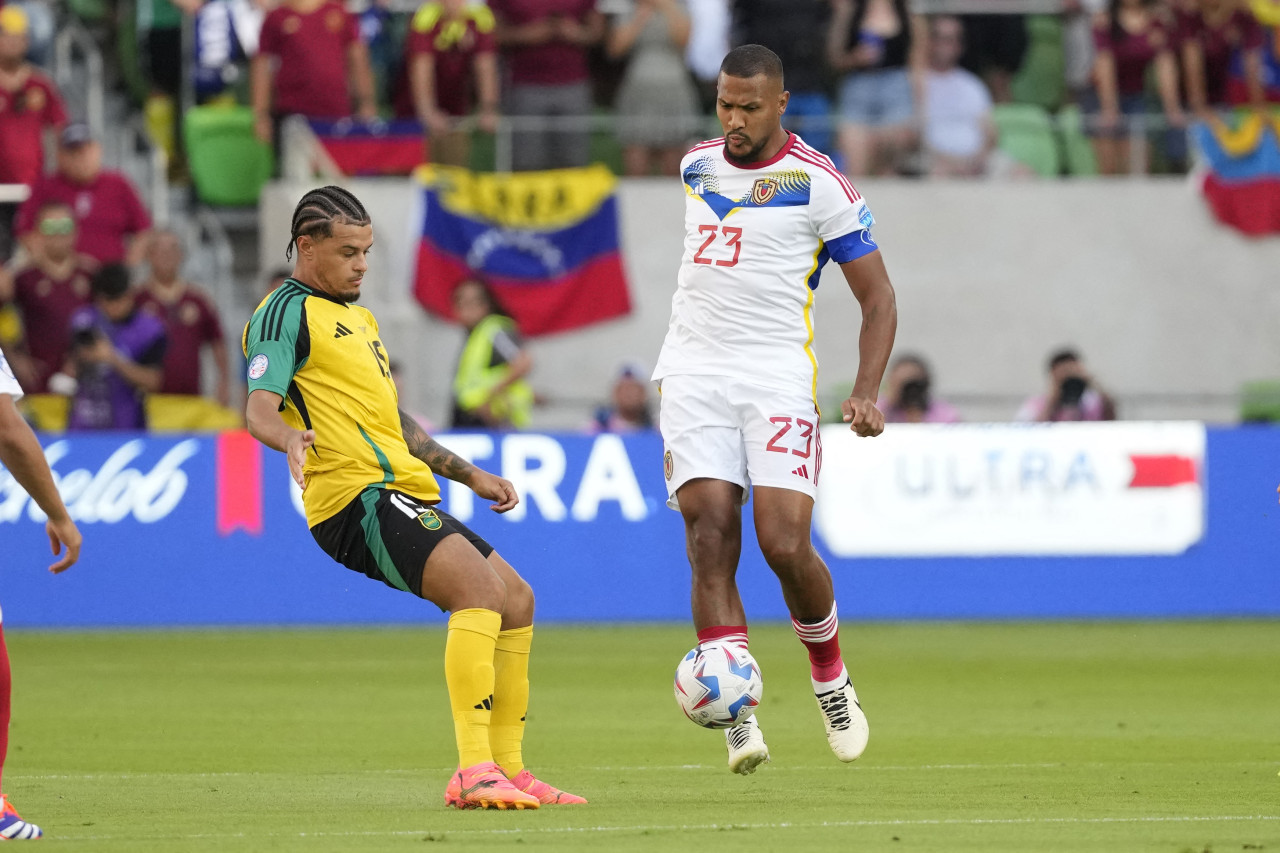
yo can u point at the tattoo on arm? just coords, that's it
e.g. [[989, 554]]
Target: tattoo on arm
[[439, 459]]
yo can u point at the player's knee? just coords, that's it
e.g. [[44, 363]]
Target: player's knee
[[712, 532], [785, 551], [518, 611]]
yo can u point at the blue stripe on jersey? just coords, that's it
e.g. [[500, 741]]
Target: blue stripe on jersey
[[824, 255], [851, 246]]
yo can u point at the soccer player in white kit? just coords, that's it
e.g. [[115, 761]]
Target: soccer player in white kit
[[20, 453], [763, 213]]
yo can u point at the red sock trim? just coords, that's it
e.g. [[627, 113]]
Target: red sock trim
[[822, 639], [733, 634]]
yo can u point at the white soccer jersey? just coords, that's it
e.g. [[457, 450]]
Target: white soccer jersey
[[755, 241], [8, 382]]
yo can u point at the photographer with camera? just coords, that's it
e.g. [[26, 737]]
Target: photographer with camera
[[116, 356], [1073, 394], [909, 399]]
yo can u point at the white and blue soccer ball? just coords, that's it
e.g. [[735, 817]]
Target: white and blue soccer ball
[[718, 685]]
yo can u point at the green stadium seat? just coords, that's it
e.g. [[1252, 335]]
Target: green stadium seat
[[90, 11], [1026, 135], [1260, 401], [1042, 78], [227, 162], [1077, 150]]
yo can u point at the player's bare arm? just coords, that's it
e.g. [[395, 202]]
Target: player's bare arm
[[869, 281], [262, 417], [445, 463], [21, 454]]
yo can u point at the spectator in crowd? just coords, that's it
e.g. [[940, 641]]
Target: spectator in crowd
[[42, 26], [1077, 45], [995, 46], [545, 43], [1073, 394], [307, 52], [48, 290], [1130, 37], [30, 106], [451, 71], [112, 223], [791, 28], [190, 319], [159, 24], [1212, 33], [489, 389], [710, 24], [959, 132], [657, 104], [629, 409], [30, 110], [117, 351], [881, 48], [910, 399], [224, 39]]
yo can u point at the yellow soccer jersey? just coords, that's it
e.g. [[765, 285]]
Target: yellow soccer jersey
[[324, 358]]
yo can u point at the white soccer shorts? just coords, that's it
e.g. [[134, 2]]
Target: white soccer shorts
[[727, 429]]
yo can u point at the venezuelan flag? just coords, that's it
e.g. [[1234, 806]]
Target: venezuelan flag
[[372, 147], [1241, 178], [546, 243]]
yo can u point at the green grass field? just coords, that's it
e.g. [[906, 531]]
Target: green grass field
[[1020, 737]]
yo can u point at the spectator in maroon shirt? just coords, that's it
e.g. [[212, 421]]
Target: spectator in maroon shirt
[[1211, 33], [190, 318], [1130, 37], [545, 43], [47, 291], [112, 223], [451, 63], [30, 106], [307, 53]]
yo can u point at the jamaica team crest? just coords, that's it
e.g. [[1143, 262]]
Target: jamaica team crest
[[763, 190]]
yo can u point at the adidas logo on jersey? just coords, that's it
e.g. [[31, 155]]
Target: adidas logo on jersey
[[802, 471], [342, 331]]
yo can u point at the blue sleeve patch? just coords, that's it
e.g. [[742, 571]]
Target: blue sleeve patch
[[851, 246]]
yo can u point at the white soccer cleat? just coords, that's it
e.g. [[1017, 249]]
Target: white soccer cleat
[[847, 729], [747, 749]]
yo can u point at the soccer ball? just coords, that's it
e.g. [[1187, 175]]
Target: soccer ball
[[718, 685]]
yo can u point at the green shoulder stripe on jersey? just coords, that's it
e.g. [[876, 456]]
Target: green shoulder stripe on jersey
[[279, 306], [373, 539], [388, 476]]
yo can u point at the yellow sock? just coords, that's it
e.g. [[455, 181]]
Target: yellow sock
[[468, 672], [510, 698], [159, 113]]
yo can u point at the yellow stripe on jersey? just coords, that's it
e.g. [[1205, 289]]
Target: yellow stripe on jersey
[[808, 325]]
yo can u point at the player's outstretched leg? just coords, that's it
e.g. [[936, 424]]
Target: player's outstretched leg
[[511, 689], [847, 730], [747, 749], [12, 826]]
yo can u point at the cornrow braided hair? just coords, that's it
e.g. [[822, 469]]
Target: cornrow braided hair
[[319, 209]]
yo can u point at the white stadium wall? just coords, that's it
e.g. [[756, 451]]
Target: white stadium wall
[[1171, 311]]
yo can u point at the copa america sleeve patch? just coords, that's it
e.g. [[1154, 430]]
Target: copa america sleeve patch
[[258, 366]]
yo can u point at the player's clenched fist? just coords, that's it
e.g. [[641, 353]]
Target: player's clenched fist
[[863, 417]]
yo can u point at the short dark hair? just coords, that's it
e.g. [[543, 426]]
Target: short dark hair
[[748, 60], [1062, 356], [110, 282], [912, 359], [319, 209]]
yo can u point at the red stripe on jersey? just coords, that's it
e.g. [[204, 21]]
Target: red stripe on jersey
[[824, 163], [710, 143]]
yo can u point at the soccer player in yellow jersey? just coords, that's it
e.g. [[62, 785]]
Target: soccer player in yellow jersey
[[320, 391]]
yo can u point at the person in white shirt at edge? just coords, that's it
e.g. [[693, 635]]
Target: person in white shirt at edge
[[959, 132], [738, 377], [23, 458]]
